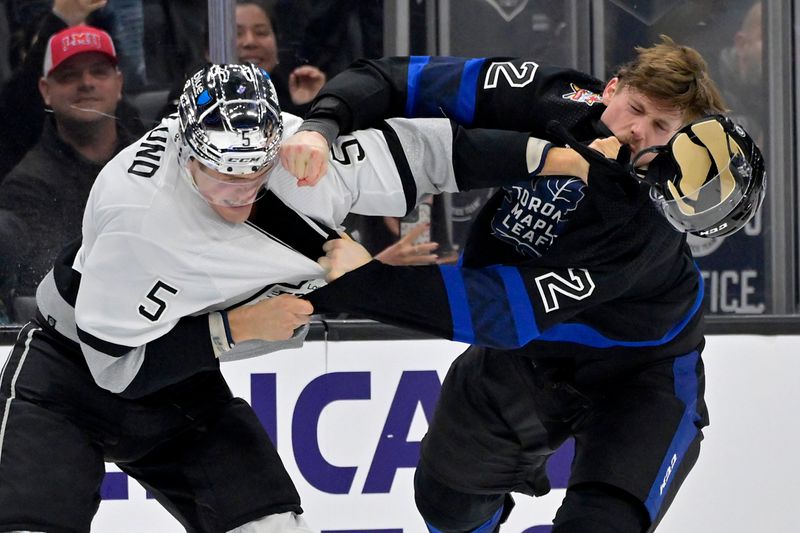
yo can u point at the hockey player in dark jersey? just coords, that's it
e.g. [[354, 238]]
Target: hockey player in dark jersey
[[581, 300]]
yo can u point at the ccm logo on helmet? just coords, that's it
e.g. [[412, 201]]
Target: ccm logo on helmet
[[243, 159], [712, 231]]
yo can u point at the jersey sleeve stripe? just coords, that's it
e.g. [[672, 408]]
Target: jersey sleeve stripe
[[108, 348], [467, 92], [443, 87], [459, 306], [415, 66], [67, 280], [401, 163], [521, 309], [490, 308], [275, 218]]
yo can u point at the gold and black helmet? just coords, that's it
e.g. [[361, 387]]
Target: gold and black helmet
[[708, 180]]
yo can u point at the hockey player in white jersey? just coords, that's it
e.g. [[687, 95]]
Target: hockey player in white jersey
[[192, 237]]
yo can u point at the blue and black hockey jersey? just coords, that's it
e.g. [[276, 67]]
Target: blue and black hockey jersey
[[552, 267]]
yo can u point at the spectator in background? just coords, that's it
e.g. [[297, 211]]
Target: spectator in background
[[742, 75], [738, 264], [43, 197], [256, 42], [21, 104]]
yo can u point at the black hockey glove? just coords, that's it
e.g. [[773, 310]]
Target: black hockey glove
[[606, 175]]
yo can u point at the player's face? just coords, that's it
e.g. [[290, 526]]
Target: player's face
[[255, 39], [637, 120], [85, 88], [232, 197]]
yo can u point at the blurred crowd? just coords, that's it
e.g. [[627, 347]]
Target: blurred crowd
[[83, 78]]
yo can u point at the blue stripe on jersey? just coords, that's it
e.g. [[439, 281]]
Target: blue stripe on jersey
[[490, 525], [588, 336], [486, 527], [686, 389], [491, 315], [415, 66], [489, 306], [432, 529], [443, 87], [459, 308], [467, 92], [521, 308]]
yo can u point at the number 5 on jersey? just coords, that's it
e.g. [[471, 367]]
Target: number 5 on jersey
[[153, 298]]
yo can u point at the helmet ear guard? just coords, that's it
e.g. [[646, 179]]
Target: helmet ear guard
[[708, 180]]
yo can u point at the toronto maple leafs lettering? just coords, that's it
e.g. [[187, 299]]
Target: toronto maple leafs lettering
[[534, 213]]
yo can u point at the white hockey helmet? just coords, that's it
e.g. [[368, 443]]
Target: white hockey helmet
[[230, 120]]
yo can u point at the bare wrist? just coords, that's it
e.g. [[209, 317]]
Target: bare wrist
[[581, 166], [237, 322], [71, 19]]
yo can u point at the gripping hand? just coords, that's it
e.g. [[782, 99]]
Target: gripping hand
[[610, 175]]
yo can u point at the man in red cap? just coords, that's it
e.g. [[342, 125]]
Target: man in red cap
[[82, 85], [43, 197]]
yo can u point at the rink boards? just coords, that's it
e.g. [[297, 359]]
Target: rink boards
[[347, 418]]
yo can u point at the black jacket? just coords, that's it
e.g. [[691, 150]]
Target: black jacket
[[43, 197]]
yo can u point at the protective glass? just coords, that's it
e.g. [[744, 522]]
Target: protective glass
[[233, 190]]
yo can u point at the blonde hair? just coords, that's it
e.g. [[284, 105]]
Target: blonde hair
[[674, 74]]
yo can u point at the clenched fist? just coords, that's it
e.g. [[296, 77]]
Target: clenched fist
[[305, 156], [273, 319]]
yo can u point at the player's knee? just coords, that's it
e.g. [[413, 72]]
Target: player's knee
[[600, 508], [449, 511]]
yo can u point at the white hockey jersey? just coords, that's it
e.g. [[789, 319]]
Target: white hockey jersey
[[154, 253]]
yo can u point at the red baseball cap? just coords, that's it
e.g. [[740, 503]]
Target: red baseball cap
[[77, 40]]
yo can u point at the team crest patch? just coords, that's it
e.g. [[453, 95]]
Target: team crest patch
[[534, 213], [582, 95]]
